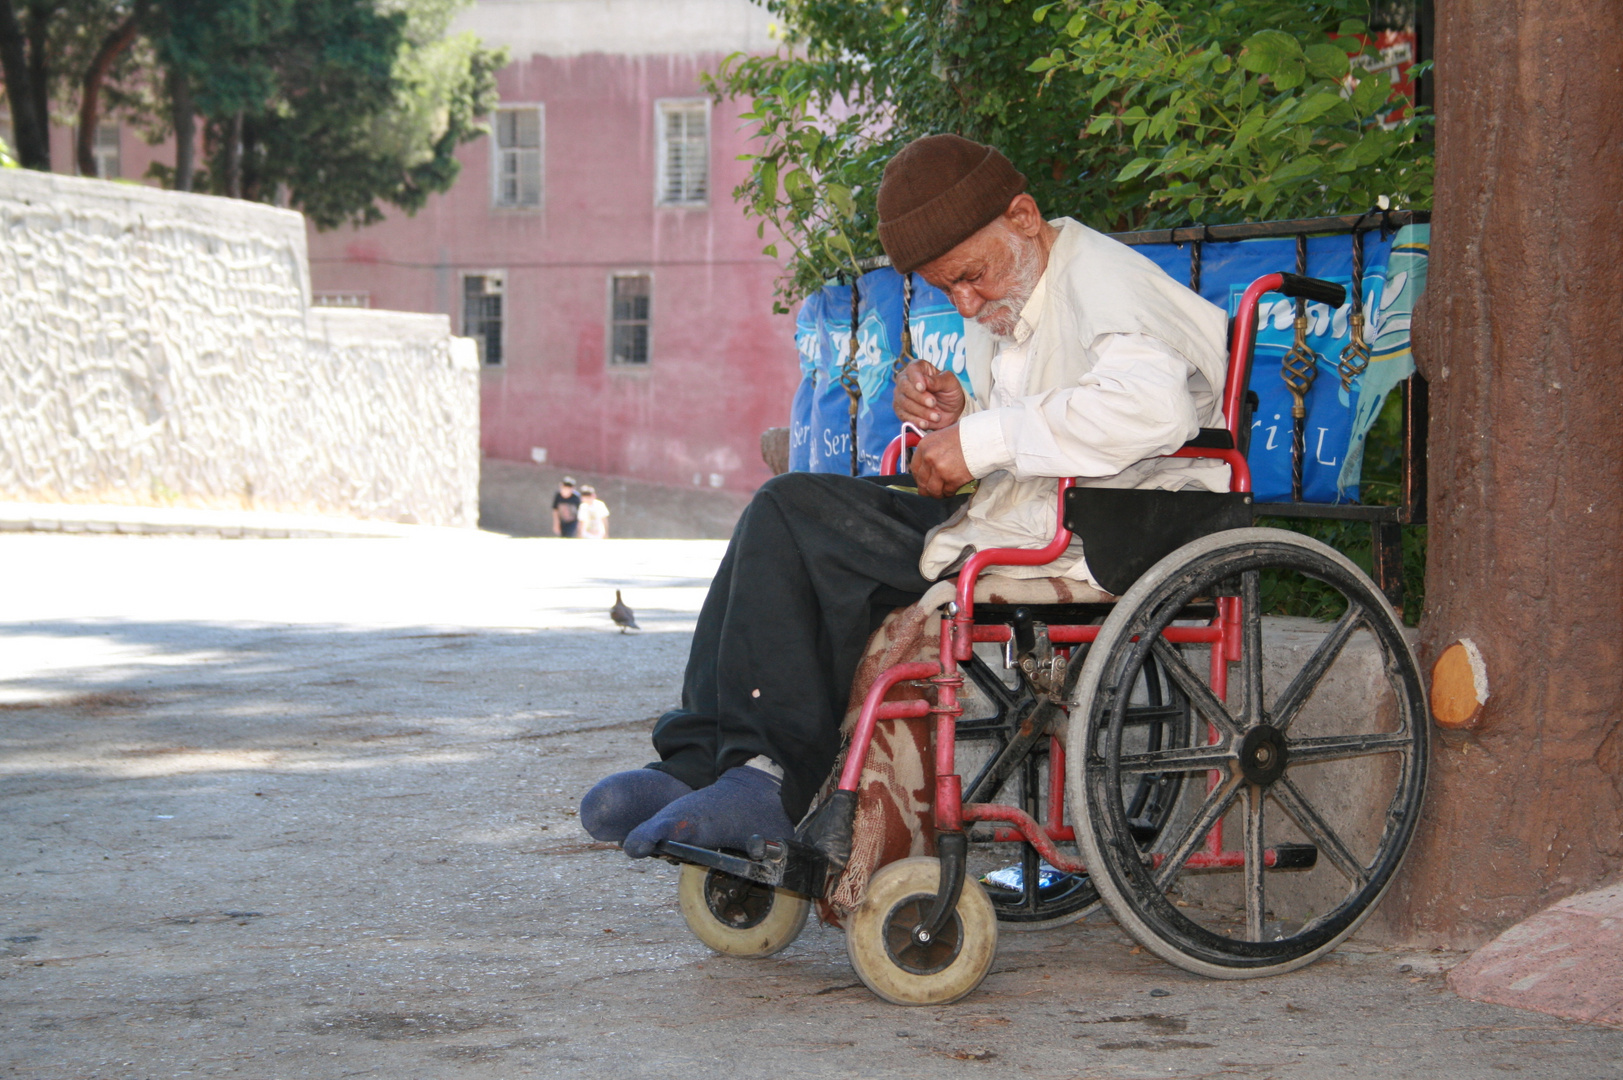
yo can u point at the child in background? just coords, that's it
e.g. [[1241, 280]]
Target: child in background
[[594, 515]]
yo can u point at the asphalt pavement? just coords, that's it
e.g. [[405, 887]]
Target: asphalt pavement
[[306, 808]]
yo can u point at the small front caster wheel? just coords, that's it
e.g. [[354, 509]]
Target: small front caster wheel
[[736, 917], [879, 937]]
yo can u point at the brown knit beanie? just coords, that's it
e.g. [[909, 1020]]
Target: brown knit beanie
[[937, 192]]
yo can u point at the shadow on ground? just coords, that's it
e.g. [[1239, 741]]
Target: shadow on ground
[[301, 851]]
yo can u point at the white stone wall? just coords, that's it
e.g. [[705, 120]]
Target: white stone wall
[[160, 349]]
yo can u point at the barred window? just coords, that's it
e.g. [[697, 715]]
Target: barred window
[[630, 298], [105, 150], [517, 168], [342, 299], [482, 313], [684, 153]]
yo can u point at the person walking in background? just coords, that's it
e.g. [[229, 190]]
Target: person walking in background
[[594, 515], [565, 508]]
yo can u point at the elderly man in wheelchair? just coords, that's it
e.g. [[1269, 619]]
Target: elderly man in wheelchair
[[1102, 430]]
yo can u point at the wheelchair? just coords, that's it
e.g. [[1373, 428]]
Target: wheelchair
[[1116, 771]]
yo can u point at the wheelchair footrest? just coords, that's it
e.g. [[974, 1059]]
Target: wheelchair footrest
[[784, 864]]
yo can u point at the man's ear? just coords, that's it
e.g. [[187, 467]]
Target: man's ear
[[1024, 216]]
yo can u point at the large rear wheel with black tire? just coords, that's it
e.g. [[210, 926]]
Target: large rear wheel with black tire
[[737, 917], [1315, 765]]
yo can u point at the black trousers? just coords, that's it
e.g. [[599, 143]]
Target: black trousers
[[815, 563]]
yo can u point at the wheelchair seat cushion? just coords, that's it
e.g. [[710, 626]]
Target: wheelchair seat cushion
[[1004, 589]]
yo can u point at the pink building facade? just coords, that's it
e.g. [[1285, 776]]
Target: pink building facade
[[591, 245]]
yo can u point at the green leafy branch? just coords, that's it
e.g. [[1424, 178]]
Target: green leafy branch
[[1126, 114], [1279, 123], [813, 179]]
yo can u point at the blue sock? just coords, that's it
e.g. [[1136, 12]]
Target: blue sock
[[743, 802], [620, 802]]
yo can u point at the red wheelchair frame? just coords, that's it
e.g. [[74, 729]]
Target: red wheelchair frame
[[960, 635]]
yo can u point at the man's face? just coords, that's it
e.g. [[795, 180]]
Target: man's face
[[990, 276], [566, 490]]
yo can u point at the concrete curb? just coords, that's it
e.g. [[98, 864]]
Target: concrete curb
[[227, 524], [1566, 961]]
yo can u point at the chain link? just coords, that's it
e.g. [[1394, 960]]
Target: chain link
[[1300, 366], [906, 355], [1355, 357], [848, 376]]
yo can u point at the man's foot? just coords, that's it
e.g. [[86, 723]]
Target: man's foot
[[743, 802], [620, 802]]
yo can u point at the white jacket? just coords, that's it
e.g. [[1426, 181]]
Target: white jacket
[[1096, 296]]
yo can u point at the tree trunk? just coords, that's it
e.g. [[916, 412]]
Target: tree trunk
[[33, 142], [185, 118], [39, 81], [117, 40], [1519, 341], [233, 158]]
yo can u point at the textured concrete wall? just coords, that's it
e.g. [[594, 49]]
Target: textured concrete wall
[[159, 349]]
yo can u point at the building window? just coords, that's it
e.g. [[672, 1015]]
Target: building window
[[342, 299], [684, 153], [517, 168], [105, 149], [482, 313], [629, 303]]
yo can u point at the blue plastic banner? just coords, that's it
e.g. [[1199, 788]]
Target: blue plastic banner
[[1339, 416], [879, 343], [823, 332], [831, 406], [809, 344]]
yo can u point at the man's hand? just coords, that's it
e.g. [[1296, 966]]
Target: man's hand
[[938, 464], [928, 398]]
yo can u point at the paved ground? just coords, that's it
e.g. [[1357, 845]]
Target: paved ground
[[515, 498], [304, 808]]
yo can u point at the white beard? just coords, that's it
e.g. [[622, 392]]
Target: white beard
[[1000, 317]]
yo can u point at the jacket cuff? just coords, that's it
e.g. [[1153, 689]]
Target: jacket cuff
[[980, 437]]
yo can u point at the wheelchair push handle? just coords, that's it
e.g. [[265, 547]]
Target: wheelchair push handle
[[1306, 288]]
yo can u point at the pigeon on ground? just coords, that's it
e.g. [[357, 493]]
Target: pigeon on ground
[[623, 616]]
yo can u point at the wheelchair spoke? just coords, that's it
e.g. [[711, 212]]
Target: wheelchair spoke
[[1211, 812], [1251, 647], [1200, 695], [1254, 898], [1183, 759], [1341, 747], [1307, 680], [1317, 830], [1145, 715]]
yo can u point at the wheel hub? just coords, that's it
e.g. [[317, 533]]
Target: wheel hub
[[737, 903], [1263, 755], [902, 942]]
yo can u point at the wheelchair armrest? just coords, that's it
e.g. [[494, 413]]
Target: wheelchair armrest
[[1013, 557]]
